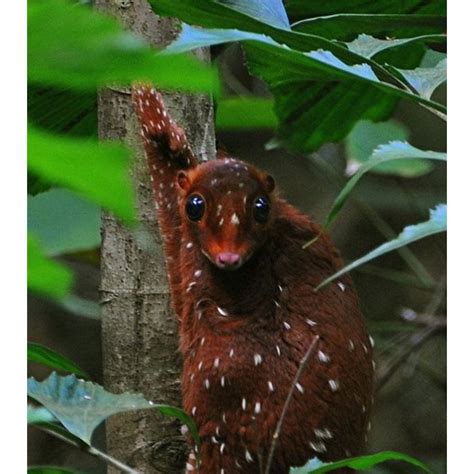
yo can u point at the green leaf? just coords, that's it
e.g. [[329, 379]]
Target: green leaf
[[348, 25], [271, 12], [360, 463], [37, 415], [412, 233], [74, 45], [43, 355], [99, 171], [50, 470], [393, 151], [182, 416], [81, 406], [425, 80], [45, 275], [365, 138], [245, 112], [304, 8], [368, 46], [63, 110], [318, 96], [64, 221]]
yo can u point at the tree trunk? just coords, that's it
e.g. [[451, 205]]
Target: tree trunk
[[139, 329]]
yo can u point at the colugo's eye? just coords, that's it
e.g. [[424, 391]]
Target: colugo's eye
[[195, 206], [261, 209]]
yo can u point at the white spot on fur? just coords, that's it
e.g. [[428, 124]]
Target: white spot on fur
[[318, 447], [299, 387], [235, 219], [341, 286], [231, 353], [189, 245], [287, 325], [323, 357], [278, 350], [257, 358], [244, 404], [222, 312], [248, 456], [270, 386], [207, 384], [216, 362], [198, 273], [323, 434], [310, 322], [334, 385], [258, 408]]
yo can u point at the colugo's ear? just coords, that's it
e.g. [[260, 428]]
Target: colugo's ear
[[269, 183], [183, 181]]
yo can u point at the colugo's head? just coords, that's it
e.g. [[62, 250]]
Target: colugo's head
[[228, 207]]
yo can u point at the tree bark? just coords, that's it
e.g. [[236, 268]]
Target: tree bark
[[139, 328]]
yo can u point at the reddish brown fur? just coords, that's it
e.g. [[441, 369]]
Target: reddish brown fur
[[243, 333]]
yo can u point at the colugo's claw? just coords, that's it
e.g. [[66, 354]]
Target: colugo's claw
[[162, 137]]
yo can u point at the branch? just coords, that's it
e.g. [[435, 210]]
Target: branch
[[276, 435]]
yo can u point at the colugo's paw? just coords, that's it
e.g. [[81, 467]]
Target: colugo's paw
[[163, 138]]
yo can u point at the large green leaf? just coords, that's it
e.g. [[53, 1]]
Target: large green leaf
[[245, 112], [395, 151], [412, 233], [318, 96], [64, 221], [359, 463], [65, 110], [346, 26], [46, 276], [99, 171], [81, 406], [304, 8], [74, 45], [45, 356], [366, 136]]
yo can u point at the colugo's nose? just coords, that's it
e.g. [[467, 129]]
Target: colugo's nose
[[228, 260]]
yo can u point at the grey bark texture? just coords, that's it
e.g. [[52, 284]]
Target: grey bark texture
[[139, 328]]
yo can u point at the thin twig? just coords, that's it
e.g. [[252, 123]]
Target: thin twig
[[416, 341], [91, 450], [276, 435]]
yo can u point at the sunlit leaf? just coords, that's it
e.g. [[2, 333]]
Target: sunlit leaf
[[425, 80], [410, 234], [46, 276], [63, 221], [74, 45], [37, 415], [81, 406], [99, 171], [269, 11], [359, 463], [45, 356], [368, 46]]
